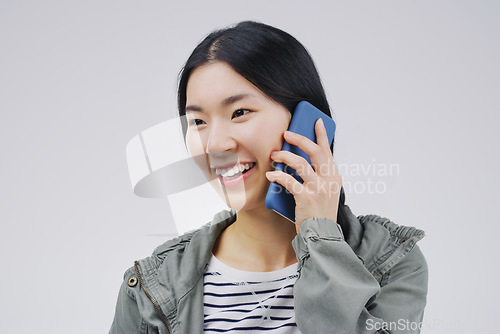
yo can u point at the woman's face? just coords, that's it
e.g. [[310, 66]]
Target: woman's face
[[234, 127]]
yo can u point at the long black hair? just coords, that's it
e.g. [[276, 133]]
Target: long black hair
[[273, 61]]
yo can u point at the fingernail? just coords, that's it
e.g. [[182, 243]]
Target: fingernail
[[321, 121], [288, 133]]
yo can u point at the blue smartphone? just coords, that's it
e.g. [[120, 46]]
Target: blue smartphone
[[304, 118]]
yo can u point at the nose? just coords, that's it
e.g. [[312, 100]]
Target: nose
[[220, 140]]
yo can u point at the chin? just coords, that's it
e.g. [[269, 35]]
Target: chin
[[246, 202]]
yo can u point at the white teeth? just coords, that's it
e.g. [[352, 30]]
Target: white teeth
[[236, 169]]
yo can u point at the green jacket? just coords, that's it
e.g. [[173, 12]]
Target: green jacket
[[373, 282]]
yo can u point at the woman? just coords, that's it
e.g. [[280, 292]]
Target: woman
[[251, 270]]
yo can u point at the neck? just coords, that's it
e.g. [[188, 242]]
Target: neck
[[259, 240]]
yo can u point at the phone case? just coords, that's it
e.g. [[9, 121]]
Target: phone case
[[278, 198]]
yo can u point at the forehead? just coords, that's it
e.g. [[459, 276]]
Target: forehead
[[216, 82]]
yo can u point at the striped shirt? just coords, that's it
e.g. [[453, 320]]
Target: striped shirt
[[237, 301]]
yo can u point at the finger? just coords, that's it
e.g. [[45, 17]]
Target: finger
[[320, 156], [321, 134], [302, 142], [286, 180], [297, 162]]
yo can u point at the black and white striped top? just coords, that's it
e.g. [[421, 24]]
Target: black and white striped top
[[238, 301]]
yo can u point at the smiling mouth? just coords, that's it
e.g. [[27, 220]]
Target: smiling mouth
[[234, 172]]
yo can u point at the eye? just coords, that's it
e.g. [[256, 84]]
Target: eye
[[239, 113], [195, 122]]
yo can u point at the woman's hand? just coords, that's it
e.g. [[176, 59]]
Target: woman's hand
[[319, 195]]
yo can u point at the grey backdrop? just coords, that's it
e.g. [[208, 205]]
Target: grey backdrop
[[412, 84]]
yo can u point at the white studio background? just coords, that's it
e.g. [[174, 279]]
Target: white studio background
[[412, 85]]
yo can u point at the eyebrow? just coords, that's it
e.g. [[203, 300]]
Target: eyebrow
[[224, 103]]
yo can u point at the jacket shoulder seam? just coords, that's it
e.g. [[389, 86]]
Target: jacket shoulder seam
[[396, 230]]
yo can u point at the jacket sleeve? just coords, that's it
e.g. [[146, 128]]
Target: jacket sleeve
[[335, 293], [127, 318]]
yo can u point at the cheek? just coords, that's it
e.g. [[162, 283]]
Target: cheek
[[265, 136], [194, 144], [196, 149]]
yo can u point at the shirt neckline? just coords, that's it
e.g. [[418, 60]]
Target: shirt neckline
[[237, 275]]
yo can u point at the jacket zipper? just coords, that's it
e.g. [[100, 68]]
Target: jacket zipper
[[155, 304]]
